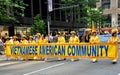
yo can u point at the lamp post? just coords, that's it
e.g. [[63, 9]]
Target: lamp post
[[50, 9], [100, 20]]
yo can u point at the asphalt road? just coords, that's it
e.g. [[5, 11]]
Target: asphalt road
[[66, 67]]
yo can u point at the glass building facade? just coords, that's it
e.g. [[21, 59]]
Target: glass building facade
[[106, 4]]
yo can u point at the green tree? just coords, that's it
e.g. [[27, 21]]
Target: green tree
[[95, 15], [6, 7], [38, 25], [85, 12]]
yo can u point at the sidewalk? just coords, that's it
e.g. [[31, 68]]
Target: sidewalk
[[2, 57]]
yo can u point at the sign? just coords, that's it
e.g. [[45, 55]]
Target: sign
[[50, 7], [80, 50]]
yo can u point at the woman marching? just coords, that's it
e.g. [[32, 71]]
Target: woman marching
[[113, 39], [93, 40], [73, 40]]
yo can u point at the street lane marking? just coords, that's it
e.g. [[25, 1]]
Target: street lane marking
[[2, 59], [118, 74], [44, 69], [10, 63]]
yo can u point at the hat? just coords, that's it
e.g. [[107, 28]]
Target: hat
[[106, 32], [94, 31], [60, 33], [38, 34], [23, 36], [72, 32], [114, 30], [30, 36], [88, 29], [7, 37], [15, 37]]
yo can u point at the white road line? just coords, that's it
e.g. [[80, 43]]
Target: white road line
[[118, 74], [44, 69], [2, 59], [10, 63]]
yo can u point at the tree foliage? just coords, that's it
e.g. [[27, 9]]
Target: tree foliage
[[85, 11], [38, 26], [6, 7]]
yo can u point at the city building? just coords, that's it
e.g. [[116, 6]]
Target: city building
[[59, 19], [111, 8]]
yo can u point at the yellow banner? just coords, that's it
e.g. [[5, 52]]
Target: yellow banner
[[81, 50]]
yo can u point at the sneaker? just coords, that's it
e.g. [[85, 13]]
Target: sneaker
[[59, 59], [72, 60], [94, 61], [114, 62]]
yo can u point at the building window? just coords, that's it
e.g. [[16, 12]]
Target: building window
[[106, 4], [27, 11], [108, 20], [118, 3], [118, 19]]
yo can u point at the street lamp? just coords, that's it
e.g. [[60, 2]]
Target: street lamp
[[100, 20], [50, 9]]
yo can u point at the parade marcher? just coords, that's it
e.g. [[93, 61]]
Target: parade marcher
[[61, 40], [73, 40], [11, 39], [8, 52], [24, 41], [8, 40], [31, 40], [15, 41], [87, 37], [67, 36], [113, 39], [93, 40], [39, 39], [50, 38], [45, 39]]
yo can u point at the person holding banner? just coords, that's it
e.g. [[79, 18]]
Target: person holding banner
[[31, 40], [24, 41], [113, 39], [39, 38], [8, 40], [61, 40], [93, 40], [7, 51], [73, 39], [15, 41]]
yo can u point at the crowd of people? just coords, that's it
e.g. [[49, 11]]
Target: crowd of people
[[49, 38]]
